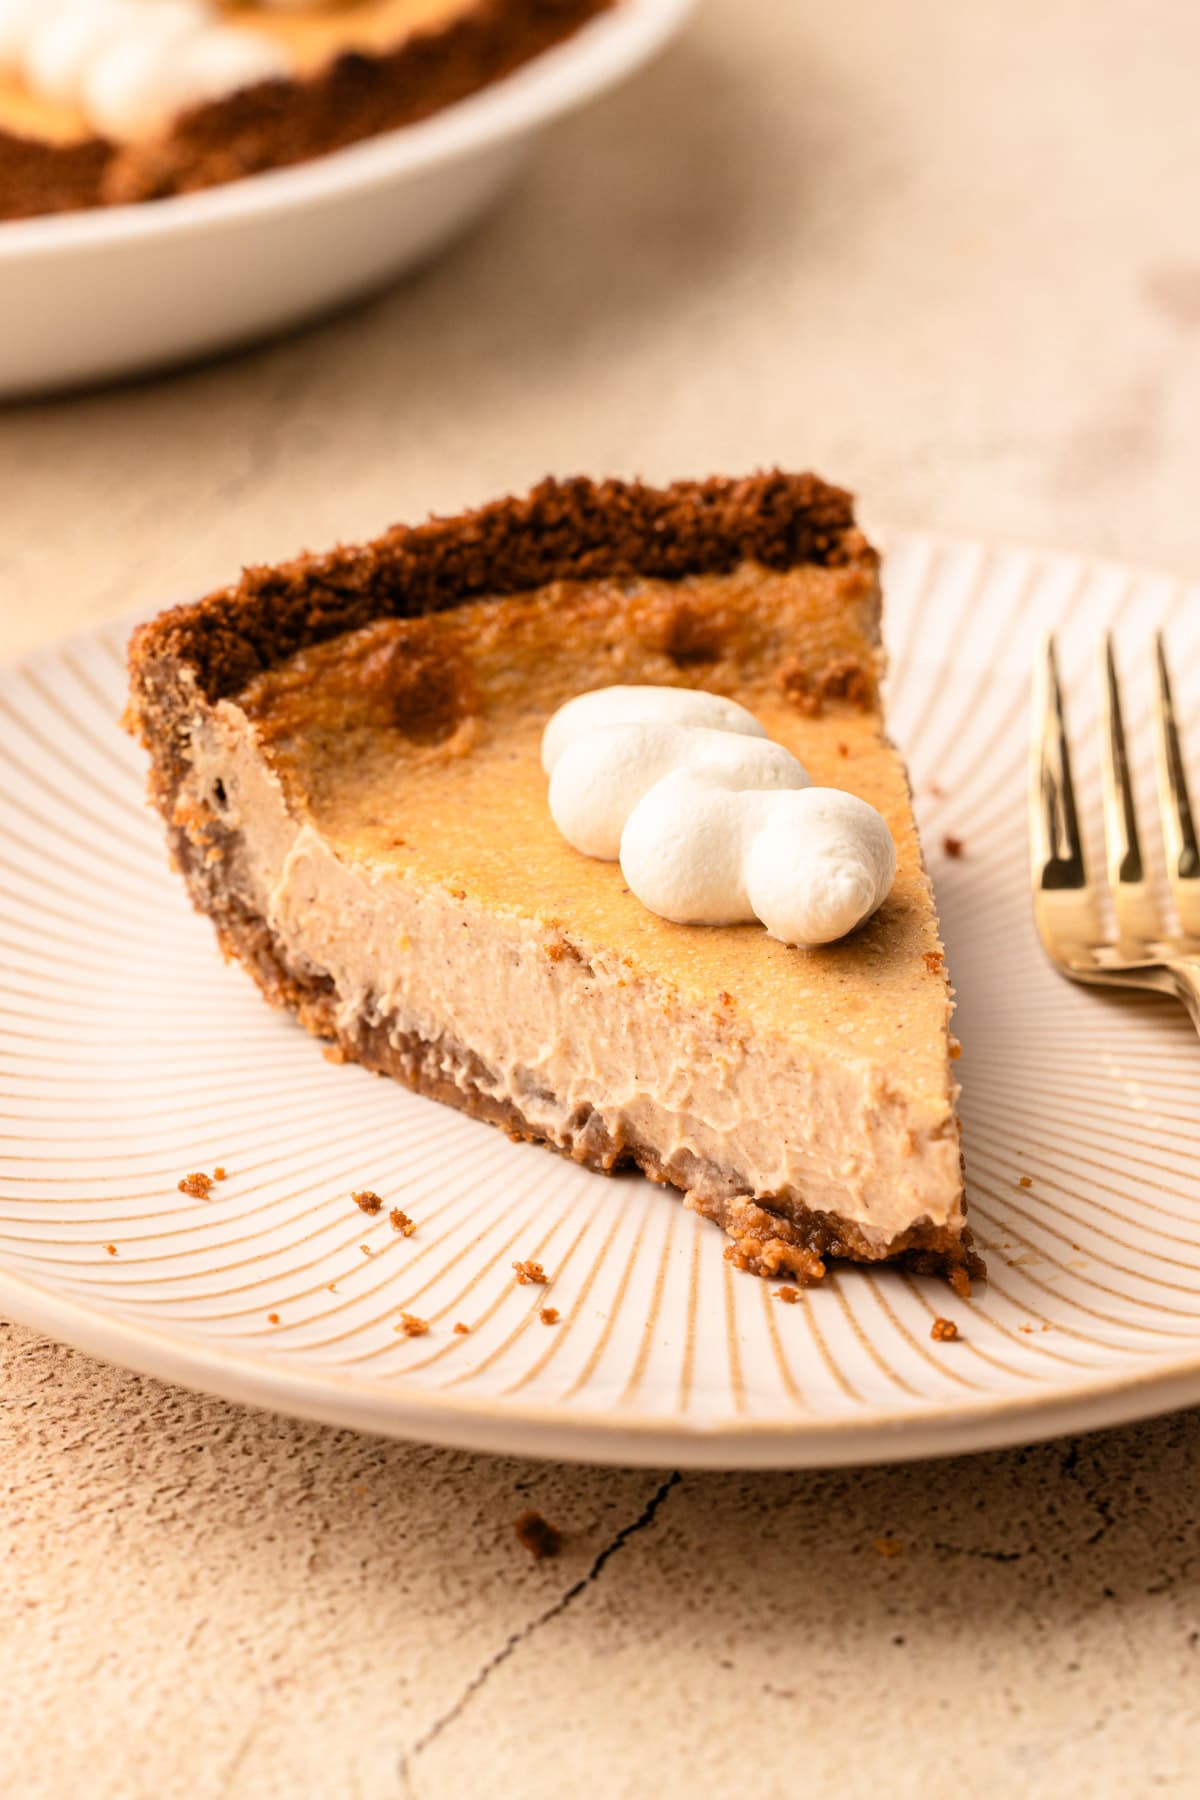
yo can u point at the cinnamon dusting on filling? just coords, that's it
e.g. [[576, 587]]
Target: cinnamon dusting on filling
[[690, 636], [422, 693], [810, 691]]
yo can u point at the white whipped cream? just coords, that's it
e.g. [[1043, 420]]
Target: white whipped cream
[[130, 66], [712, 822]]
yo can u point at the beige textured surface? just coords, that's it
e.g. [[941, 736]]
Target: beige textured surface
[[947, 254]]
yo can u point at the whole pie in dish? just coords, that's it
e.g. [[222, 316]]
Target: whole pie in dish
[[347, 751], [109, 101]]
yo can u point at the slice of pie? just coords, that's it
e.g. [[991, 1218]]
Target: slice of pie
[[346, 750], [104, 101]]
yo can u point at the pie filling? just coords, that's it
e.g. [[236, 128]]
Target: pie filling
[[367, 822]]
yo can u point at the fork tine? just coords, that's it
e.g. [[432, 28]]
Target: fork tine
[[1133, 904], [1175, 807], [1058, 860]]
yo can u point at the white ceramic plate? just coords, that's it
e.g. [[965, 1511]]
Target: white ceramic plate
[[129, 1056], [89, 296]]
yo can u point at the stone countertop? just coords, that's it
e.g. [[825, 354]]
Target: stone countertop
[[949, 256]]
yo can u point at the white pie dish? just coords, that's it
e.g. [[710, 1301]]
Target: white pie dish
[[93, 295]]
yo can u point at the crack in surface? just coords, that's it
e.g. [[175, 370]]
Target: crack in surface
[[1097, 1500], [513, 1643], [981, 1553], [1091, 1495]]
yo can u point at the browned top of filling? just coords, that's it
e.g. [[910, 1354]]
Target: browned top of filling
[[414, 744]]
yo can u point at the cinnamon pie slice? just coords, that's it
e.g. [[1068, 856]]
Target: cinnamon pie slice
[[346, 751]]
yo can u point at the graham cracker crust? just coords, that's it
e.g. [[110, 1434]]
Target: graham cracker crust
[[569, 530], [278, 123]]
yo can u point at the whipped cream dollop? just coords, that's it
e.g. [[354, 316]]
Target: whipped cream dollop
[[712, 822], [130, 66]]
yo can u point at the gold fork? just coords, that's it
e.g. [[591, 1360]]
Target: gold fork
[[1141, 953]]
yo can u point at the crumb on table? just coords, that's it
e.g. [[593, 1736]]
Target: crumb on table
[[111, 1248], [219, 1172], [1025, 1181], [400, 1221], [953, 847], [272, 1318], [199, 1186], [549, 1315], [788, 1294], [539, 1537], [531, 1274], [411, 1326], [366, 1201], [943, 1331], [461, 1329]]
